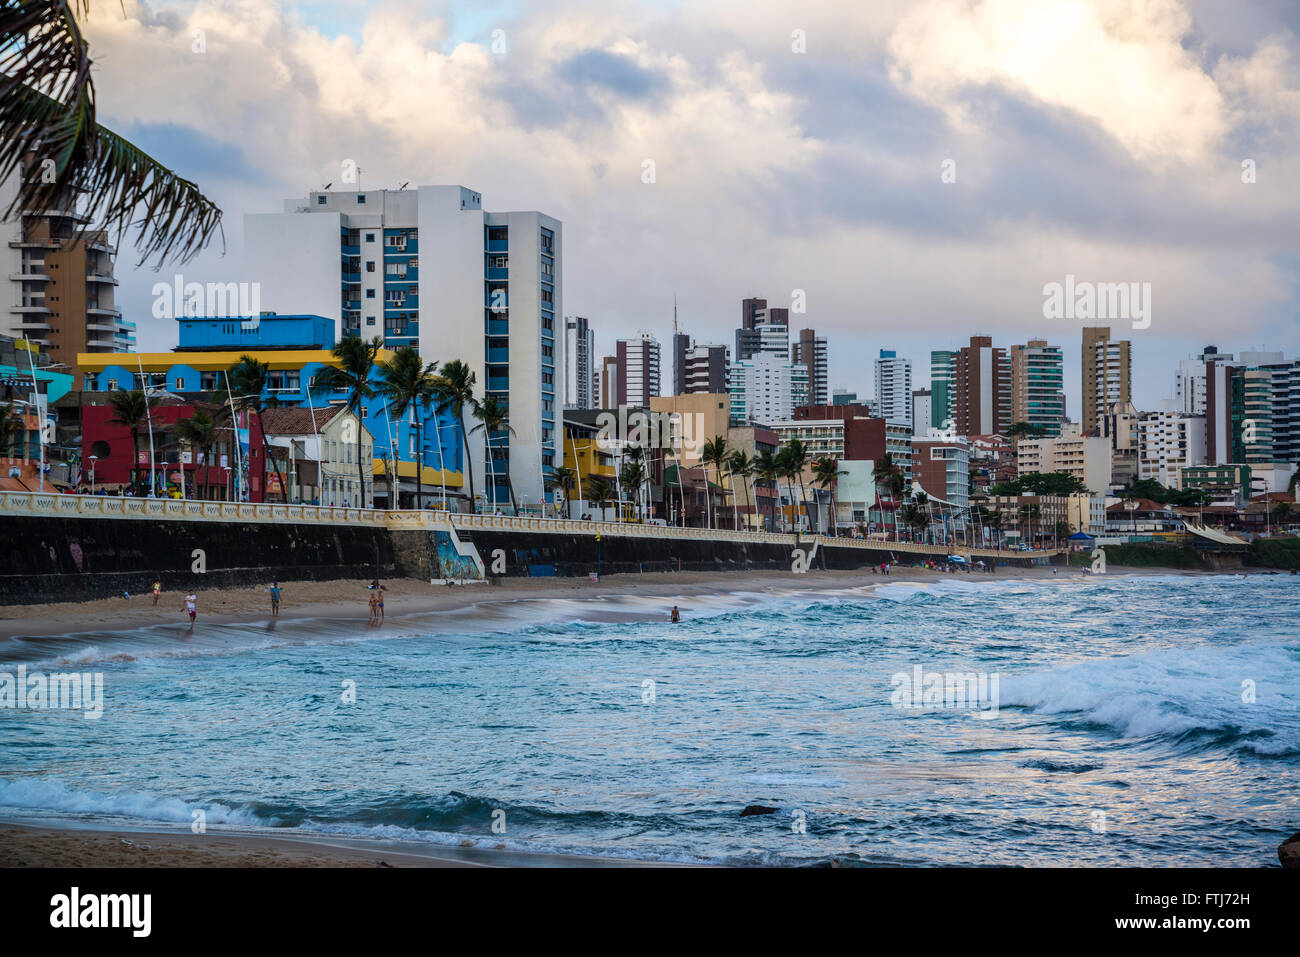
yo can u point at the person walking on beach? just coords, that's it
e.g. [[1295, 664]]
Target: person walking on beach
[[275, 599], [379, 598], [157, 590], [676, 615], [191, 608], [374, 608]]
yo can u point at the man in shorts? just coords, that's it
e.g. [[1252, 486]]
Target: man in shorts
[[191, 607], [275, 599]]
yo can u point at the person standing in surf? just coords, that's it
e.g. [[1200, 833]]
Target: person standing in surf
[[191, 607]]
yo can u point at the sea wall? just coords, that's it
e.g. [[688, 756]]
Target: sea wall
[[71, 559], [68, 547]]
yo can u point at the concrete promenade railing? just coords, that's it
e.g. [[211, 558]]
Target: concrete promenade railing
[[34, 504]]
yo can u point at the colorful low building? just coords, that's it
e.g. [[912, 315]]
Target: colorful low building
[[295, 348]]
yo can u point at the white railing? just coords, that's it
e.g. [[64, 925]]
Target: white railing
[[110, 506]]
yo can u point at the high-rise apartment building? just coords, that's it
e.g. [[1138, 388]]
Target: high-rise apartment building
[[1037, 385], [1168, 442], [943, 409], [705, 369], [811, 350], [638, 364], [894, 388], [767, 388], [495, 288], [60, 282], [1190, 380], [762, 330], [681, 344], [921, 409], [1107, 375], [981, 389], [579, 354]]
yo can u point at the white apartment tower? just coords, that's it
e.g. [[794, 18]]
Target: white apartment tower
[[494, 284], [579, 353], [894, 388]]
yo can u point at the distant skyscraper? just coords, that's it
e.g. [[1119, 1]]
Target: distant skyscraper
[[920, 410], [579, 353], [1037, 385], [1106, 375], [894, 388], [706, 369], [767, 388], [638, 364], [762, 330], [1189, 380], [843, 396], [942, 406], [610, 383], [811, 350], [982, 388]]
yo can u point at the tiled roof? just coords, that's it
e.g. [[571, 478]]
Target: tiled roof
[[297, 421]]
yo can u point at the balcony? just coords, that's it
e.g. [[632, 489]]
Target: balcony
[[31, 308], [29, 277], [102, 327], [100, 277], [95, 310]]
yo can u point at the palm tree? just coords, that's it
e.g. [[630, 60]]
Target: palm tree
[[493, 417], [562, 477], [198, 432], [993, 519], [793, 456], [247, 379], [881, 472], [407, 383], [714, 453], [636, 454], [131, 409], [47, 113], [632, 476], [600, 491], [454, 389], [826, 474], [741, 466], [896, 482], [356, 365], [767, 469], [922, 502]]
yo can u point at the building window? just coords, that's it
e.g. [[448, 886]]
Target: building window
[[370, 265], [370, 237], [370, 294], [320, 200], [361, 198], [370, 320], [180, 383]]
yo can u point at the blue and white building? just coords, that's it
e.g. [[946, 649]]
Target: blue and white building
[[429, 267]]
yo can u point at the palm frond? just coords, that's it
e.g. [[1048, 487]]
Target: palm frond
[[50, 138]]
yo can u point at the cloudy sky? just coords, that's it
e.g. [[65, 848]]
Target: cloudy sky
[[795, 146]]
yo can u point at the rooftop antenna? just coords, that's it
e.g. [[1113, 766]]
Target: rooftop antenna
[[674, 313], [326, 186]]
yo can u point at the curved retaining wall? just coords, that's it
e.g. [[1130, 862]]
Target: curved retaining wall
[[68, 547]]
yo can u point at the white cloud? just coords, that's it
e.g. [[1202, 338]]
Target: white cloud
[[1120, 63]]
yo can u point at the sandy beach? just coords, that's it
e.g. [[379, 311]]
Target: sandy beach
[[26, 845], [347, 600]]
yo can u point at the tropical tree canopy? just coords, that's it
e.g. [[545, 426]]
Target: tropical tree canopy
[[50, 138]]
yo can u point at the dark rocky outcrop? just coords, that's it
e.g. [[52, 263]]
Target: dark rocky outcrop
[[1289, 851]]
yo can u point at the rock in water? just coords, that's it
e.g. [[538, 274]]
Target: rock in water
[[1289, 851], [757, 809]]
